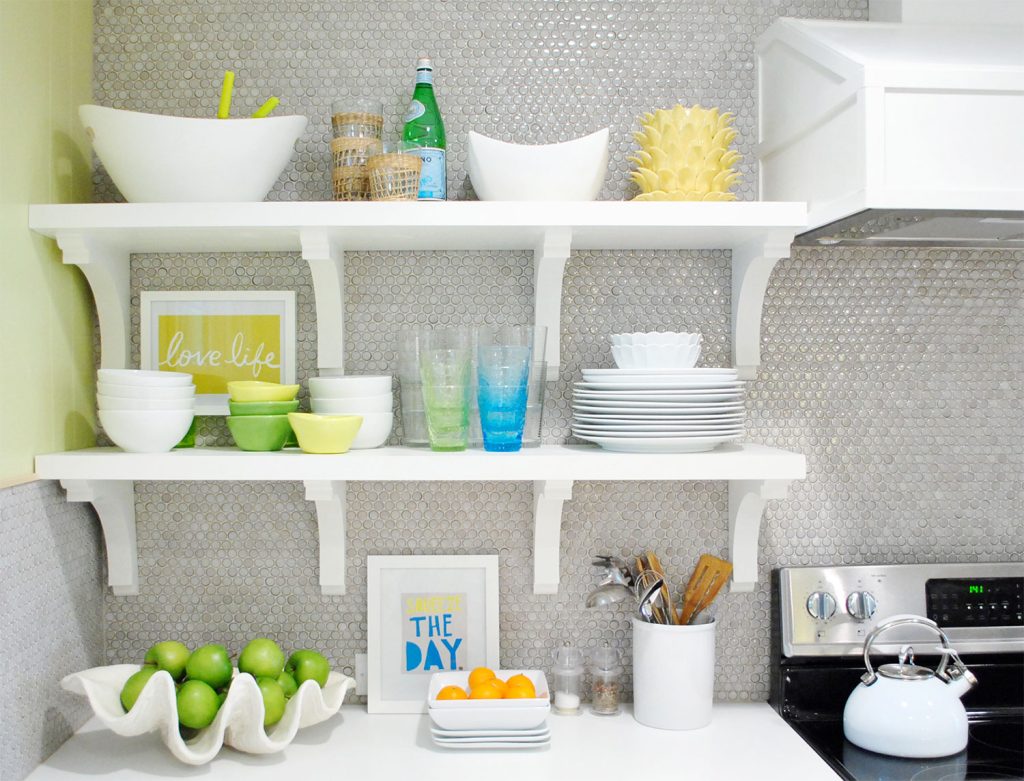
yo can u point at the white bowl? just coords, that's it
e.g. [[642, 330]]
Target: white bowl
[[570, 171], [656, 337], [489, 718], [146, 392], [439, 680], [375, 430], [357, 405], [239, 721], [146, 431], [116, 402], [656, 356], [161, 159], [143, 377], [348, 387]]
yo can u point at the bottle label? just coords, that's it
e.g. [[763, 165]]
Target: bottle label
[[433, 177], [415, 111]]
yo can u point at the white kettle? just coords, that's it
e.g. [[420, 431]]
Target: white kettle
[[906, 710]]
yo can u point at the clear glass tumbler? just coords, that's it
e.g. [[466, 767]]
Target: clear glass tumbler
[[445, 359], [503, 368]]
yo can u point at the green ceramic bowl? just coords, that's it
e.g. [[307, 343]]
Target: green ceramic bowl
[[240, 408], [259, 432]]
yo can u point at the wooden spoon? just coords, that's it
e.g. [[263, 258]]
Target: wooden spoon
[[710, 574]]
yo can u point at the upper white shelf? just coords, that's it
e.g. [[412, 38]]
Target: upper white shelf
[[105, 477], [101, 237]]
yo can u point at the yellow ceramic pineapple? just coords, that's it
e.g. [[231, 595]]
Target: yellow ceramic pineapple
[[684, 155]]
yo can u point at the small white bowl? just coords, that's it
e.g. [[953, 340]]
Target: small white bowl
[[146, 431], [570, 171], [348, 387], [439, 680], [656, 356], [143, 377], [115, 402], [489, 718], [146, 392], [375, 430], [160, 159], [357, 405], [656, 337]]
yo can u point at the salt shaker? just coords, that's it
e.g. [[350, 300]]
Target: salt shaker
[[568, 679], [605, 678]]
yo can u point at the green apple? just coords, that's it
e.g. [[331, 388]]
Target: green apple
[[211, 665], [307, 665], [133, 687], [261, 658], [288, 684], [197, 704], [273, 700], [169, 655]]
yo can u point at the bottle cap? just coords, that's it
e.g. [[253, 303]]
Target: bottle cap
[[569, 659], [605, 658], [424, 62]]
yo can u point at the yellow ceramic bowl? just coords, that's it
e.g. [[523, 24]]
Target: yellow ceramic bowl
[[252, 390], [325, 433]]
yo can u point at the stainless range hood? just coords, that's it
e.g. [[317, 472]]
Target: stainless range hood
[[895, 133]]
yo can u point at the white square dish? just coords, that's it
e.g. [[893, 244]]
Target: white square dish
[[439, 680]]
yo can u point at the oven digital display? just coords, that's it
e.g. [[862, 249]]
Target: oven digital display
[[976, 601]]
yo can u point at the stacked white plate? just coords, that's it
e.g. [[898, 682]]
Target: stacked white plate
[[659, 410], [489, 724]]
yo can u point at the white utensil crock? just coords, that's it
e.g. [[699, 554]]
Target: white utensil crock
[[673, 674]]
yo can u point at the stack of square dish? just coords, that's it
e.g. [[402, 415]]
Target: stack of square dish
[[658, 410], [145, 411], [491, 723]]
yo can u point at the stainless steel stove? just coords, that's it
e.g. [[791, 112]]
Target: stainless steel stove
[[821, 617]]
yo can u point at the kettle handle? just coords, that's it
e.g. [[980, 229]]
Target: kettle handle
[[870, 676]]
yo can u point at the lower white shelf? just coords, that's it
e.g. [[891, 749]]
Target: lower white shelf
[[105, 477]]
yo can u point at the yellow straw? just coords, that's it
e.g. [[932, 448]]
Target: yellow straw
[[225, 95], [266, 108]]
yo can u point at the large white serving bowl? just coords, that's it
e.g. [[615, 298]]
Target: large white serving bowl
[[357, 405], [146, 431], [375, 430], [349, 386], [143, 377], [146, 392], [115, 402], [161, 159], [570, 171]]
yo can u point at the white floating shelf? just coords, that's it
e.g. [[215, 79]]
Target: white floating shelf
[[101, 237], [105, 476]]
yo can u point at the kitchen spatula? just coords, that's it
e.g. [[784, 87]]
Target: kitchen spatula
[[707, 580]]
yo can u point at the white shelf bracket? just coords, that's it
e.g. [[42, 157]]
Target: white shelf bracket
[[548, 496], [329, 498], [549, 258], [746, 509], [752, 266], [326, 260], [114, 501], [106, 269]]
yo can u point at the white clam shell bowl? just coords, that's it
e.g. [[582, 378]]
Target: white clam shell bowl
[[662, 350], [239, 722]]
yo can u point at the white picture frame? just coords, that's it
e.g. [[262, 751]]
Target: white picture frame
[[205, 303], [408, 598]]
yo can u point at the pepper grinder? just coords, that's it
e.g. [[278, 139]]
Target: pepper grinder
[[568, 679], [605, 676]]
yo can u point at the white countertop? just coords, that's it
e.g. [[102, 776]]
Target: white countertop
[[744, 741]]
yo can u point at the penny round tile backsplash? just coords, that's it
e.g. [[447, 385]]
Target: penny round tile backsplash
[[897, 372]]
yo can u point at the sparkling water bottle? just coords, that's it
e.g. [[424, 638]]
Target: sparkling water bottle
[[424, 132]]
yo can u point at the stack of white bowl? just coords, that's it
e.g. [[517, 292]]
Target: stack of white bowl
[[145, 411], [367, 396]]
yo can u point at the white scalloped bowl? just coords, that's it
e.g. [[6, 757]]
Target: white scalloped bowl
[[239, 721], [658, 350], [570, 171], [163, 159]]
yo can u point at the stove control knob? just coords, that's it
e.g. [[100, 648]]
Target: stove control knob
[[821, 605], [861, 605]]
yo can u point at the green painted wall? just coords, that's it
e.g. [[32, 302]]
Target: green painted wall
[[46, 320]]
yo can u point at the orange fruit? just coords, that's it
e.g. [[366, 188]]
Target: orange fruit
[[521, 691], [499, 684], [452, 693], [518, 679], [485, 691], [479, 675]]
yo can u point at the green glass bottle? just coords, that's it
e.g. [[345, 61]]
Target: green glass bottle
[[424, 131]]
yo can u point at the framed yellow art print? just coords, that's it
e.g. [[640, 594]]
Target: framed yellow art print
[[218, 337]]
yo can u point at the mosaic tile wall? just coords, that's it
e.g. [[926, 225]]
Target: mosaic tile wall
[[897, 373], [51, 619]]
